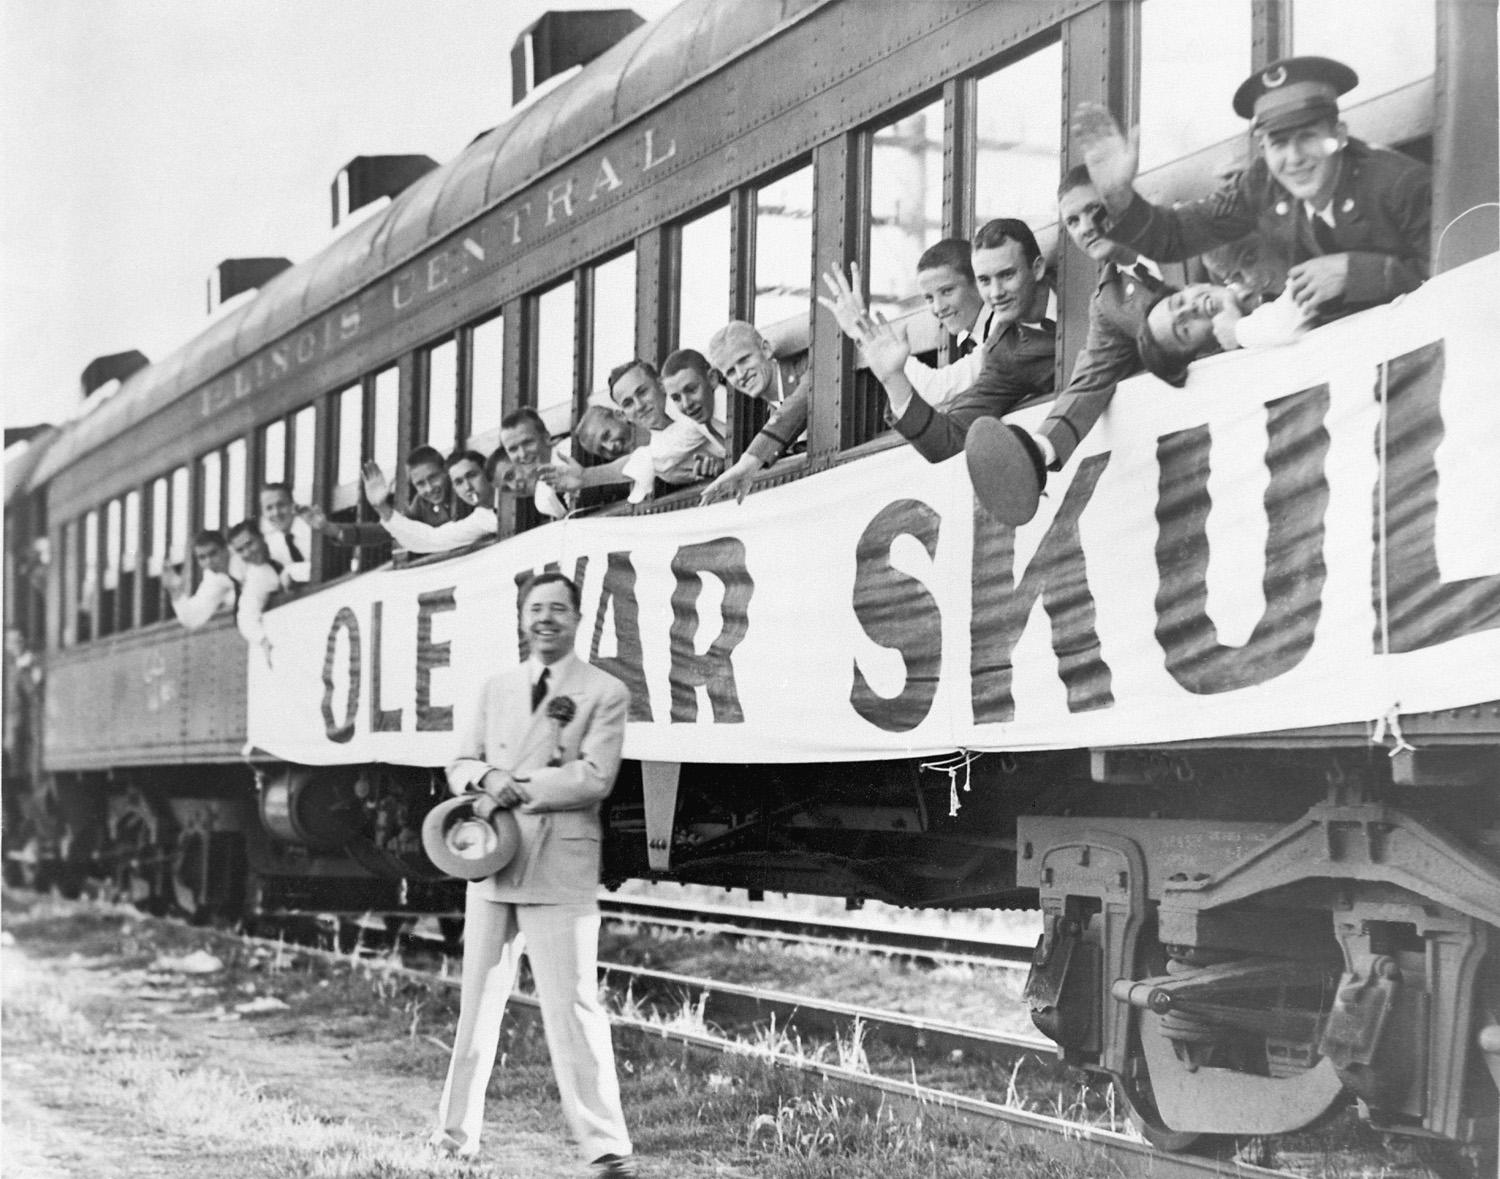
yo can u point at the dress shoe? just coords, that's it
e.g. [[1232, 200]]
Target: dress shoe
[[449, 1147], [614, 1166], [1007, 470]]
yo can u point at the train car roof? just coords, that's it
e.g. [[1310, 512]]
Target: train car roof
[[641, 71], [20, 466]]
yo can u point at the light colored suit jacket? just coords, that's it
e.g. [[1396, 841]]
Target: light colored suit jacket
[[558, 860]]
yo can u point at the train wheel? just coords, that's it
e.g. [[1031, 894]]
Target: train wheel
[[138, 874], [190, 876], [1135, 1086]]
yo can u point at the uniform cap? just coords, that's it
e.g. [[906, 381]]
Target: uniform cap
[[461, 844], [1293, 92]]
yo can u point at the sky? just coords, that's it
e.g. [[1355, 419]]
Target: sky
[[144, 141]]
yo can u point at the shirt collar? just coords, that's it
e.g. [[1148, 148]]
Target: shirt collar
[[534, 667]]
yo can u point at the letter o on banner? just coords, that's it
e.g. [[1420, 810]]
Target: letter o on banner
[[344, 620]]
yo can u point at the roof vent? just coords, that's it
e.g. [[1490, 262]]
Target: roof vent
[[368, 178], [235, 276], [117, 366], [558, 41]]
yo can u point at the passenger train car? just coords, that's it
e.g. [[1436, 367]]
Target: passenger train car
[[1225, 711]]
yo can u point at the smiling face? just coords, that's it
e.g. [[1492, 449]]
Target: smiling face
[[213, 557], [1183, 322], [641, 399], [277, 509], [1305, 160], [691, 392], [469, 482], [430, 481], [250, 547], [615, 437], [523, 444], [953, 298], [1007, 281], [550, 621], [747, 362], [1082, 213]]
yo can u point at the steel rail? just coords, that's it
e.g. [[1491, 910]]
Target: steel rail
[[824, 932]]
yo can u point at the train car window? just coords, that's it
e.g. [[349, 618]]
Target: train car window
[[1391, 44], [555, 358], [130, 545], [487, 374], [211, 494], [69, 577], [385, 408], [273, 452], [783, 248], [109, 584], [703, 290], [351, 415], [235, 507], [181, 525], [905, 213], [1018, 139], [304, 453], [88, 581], [614, 321], [442, 395], [156, 553], [1193, 55]]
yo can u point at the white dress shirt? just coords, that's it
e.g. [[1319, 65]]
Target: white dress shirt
[[261, 584], [1278, 322], [938, 385], [214, 595], [670, 455], [417, 537], [301, 570]]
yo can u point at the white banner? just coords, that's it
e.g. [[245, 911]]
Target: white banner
[[1210, 563]]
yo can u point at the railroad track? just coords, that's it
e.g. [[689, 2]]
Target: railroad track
[[738, 922], [1069, 1141]]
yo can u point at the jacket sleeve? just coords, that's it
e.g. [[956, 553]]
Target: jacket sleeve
[[1378, 278], [786, 425], [588, 778], [416, 537], [468, 769], [1107, 357], [214, 593], [1175, 234]]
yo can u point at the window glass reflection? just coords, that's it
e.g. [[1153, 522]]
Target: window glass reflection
[[703, 295], [159, 521], [209, 480], [1193, 55], [555, 358], [234, 481], [88, 587], [304, 454], [387, 407], [1018, 132], [783, 248], [487, 379], [614, 319], [442, 396], [181, 525], [351, 434], [1392, 43], [273, 450], [906, 202]]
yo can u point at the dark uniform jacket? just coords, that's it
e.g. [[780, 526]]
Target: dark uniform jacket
[[1117, 312], [1018, 365], [1382, 206]]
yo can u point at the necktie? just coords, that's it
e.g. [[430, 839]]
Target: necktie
[[1142, 275], [966, 345], [294, 554], [1323, 234], [539, 689]]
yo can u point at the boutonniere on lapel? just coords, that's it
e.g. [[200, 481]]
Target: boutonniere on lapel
[[560, 711]]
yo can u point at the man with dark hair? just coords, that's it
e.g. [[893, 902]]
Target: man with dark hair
[[432, 502], [1204, 318], [467, 471], [1349, 224], [543, 742], [1018, 354], [262, 581], [945, 276], [1008, 465], [217, 591], [526, 449]]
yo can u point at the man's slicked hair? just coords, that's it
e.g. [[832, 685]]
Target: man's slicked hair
[[994, 234], [277, 487], [687, 358], [210, 536], [462, 453], [621, 369], [1075, 177], [250, 526], [430, 455], [525, 416], [551, 577], [952, 252]]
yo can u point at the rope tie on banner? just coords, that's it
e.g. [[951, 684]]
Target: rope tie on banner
[[1389, 723], [961, 760]]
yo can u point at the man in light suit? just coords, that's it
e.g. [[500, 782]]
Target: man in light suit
[[545, 742]]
